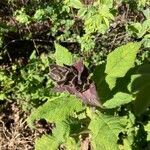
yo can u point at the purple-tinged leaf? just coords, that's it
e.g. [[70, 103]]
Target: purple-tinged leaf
[[74, 79]]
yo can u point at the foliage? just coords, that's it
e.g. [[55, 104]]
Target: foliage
[[105, 129], [141, 30], [120, 72]]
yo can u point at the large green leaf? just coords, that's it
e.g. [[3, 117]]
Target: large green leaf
[[142, 99], [62, 55], [57, 109], [105, 131], [118, 100], [121, 59]]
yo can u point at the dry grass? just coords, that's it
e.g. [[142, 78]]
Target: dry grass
[[14, 132]]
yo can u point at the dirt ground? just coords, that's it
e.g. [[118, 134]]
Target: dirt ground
[[14, 132]]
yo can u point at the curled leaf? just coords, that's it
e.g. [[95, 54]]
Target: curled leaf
[[74, 79]]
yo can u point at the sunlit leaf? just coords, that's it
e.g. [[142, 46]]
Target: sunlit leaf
[[62, 55], [57, 109], [147, 129], [121, 59], [118, 100], [105, 131]]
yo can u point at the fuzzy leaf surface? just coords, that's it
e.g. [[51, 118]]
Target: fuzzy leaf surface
[[57, 109], [105, 131], [46, 142]]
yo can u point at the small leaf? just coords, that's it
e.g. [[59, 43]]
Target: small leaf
[[62, 55], [44, 59], [147, 129], [130, 131], [33, 56], [2, 96], [146, 41], [106, 21], [39, 14], [22, 17], [118, 100], [105, 131], [146, 13], [121, 59], [75, 4], [82, 11]]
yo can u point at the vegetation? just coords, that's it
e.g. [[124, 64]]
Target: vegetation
[[79, 70]]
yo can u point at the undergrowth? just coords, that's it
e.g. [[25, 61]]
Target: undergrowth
[[80, 69]]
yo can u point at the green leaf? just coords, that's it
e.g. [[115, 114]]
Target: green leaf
[[22, 17], [108, 3], [46, 142], [130, 131], [60, 136], [39, 14], [121, 59], [118, 100], [106, 21], [33, 55], [146, 13], [105, 131], [62, 55], [82, 11], [75, 4], [142, 101], [146, 42], [111, 81], [57, 109], [144, 29], [147, 129], [101, 85], [44, 59], [61, 132], [2, 96]]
